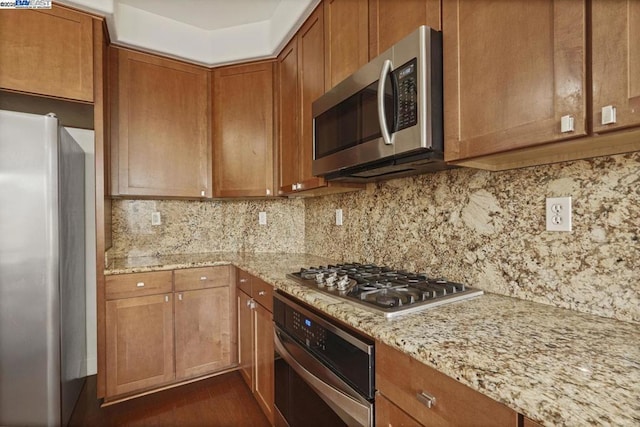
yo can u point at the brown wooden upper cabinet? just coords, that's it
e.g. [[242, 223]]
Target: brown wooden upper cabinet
[[615, 35], [302, 62], [300, 81], [160, 126], [346, 35], [391, 21], [515, 75], [47, 52], [243, 130]]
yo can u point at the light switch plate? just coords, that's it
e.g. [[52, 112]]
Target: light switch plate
[[262, 218], [558, 213]]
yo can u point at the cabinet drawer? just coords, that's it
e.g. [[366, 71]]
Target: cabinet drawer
[[262, 292], [138, 284], [244, 281], [454, 403], [202, 278]]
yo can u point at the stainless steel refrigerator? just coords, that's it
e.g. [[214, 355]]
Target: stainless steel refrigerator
[[42, 279]]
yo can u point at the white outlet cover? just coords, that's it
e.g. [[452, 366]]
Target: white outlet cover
[[156, 218], [262, 218], [558, 214], [338, 216]]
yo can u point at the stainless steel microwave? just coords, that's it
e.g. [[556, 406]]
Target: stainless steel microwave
[[385, 120]]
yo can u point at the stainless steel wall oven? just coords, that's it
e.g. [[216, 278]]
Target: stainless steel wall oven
[[324, 372]]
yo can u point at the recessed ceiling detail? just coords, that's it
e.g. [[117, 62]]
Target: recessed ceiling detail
[[206, 32]]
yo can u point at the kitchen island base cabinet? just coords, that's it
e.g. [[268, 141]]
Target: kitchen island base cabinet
[[432, 398]]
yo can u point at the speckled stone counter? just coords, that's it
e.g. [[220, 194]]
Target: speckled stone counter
[[553, 365]]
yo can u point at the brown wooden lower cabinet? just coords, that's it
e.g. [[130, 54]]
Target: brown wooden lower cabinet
[[245, 337], [203, 335], [139, 343], [255, 338], [389, 415], [432, 398], [166, 327]]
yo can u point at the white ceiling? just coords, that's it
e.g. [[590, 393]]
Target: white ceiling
[[206, 32]]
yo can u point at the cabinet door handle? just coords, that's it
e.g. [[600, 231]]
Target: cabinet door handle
[[426, 399], [608, 115], [166, 298], [202, 193], [566, 124], [243, 280], [140, 284], [180, 297], [268, 192], [262, 293]]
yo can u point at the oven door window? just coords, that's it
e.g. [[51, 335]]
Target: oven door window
[[353, 121], [298, 403]]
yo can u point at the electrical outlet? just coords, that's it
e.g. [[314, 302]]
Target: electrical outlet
[[262, 218], [558, 213], [338, 216], [155, 218]]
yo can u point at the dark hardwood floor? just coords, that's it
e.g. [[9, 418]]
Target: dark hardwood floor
[[223, 401]]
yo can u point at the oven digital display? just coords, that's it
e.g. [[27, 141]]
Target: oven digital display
[[307, 322]]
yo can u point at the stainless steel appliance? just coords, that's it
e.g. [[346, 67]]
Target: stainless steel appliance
[[382, 289], [385, 120], [324, 373], [42, 278]]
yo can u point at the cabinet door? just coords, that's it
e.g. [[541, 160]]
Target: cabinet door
[[616, 62], [139, 343], [512, 70], [161, 126], [311, 80], [245, 337], [288, 123], [47, 52], [346, 35], [243, 130], [203, 331], [390, 22], [263, 343], [389, 415]]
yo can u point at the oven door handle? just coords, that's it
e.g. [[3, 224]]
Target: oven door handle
[[353, 410]]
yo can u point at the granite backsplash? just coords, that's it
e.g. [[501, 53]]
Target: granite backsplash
[[206, 226], [486, 229]]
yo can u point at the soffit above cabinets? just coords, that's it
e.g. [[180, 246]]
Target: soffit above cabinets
[[205, 32]]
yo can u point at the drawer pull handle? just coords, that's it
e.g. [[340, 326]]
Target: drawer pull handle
[[426, 399], [203, 278], [262, 293], [180, 297], [243, 280], [140, 284]]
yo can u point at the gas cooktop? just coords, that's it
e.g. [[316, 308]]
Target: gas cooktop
[[382, 289]]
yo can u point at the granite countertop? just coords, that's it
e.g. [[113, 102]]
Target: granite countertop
[[554, 365]]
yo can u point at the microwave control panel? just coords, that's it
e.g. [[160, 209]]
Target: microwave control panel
[[406, 78]]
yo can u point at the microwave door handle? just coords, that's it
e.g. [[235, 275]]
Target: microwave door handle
[[384, 129]]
